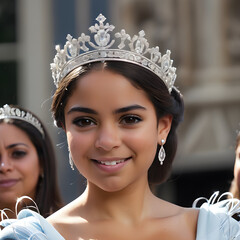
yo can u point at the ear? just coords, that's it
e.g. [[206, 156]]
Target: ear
[[164, 126]]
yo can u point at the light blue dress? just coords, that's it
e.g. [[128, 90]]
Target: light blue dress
[[214, 223]]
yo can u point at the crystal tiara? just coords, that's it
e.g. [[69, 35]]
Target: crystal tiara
[[7, 112], [76, 53]]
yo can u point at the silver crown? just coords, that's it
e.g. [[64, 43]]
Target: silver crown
[[76, 53], [7, 112]]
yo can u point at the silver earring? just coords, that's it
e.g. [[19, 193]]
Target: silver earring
[[161, 154], [71, 161]]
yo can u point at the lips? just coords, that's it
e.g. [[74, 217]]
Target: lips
[[6, 183], [111, 165], [111, 162]]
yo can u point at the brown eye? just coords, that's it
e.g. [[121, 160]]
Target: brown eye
[[18, 154], [130, 119], [84, 122]]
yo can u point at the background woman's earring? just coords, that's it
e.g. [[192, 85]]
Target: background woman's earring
[[70, 161], [161, 154]]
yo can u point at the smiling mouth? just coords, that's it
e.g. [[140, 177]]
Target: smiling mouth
[[112, 163], [8, 183]]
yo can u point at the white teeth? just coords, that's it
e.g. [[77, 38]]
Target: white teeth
[[111, 163]]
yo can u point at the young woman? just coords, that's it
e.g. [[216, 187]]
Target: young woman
[[27, 162], [120, 112]]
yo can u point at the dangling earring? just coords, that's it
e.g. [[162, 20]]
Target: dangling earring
[[161, 154], [70, 161]]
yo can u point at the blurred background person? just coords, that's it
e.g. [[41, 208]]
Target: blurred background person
[[27, 162], [235, 186]]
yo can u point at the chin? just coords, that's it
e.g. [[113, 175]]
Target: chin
[[111, 189], [112, 186]]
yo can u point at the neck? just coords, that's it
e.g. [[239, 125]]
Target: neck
[[128, 205]]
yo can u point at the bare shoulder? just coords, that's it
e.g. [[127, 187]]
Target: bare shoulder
[[167, 209], [65, 216], [190, 216], [68, 221], [177, 222], [186, 223]]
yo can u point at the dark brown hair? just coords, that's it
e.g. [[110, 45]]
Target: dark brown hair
[[164, 103], [47, 197]]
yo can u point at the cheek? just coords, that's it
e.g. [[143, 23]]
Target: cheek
[[30, 171], [79, 144], [144, 146], [33, 166]]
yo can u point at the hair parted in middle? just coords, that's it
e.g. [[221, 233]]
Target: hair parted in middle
[[157, 92]]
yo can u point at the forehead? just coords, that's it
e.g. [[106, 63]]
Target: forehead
[[10, 132], [108, 87], [106, 78]]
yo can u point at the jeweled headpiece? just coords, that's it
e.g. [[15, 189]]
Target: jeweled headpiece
[[7, 112], [76, 53]]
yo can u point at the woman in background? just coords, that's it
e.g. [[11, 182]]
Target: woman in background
[[235, 186], [27, 162]]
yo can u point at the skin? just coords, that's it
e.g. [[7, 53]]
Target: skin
[[108, 119], [19, 166], [237, 166]]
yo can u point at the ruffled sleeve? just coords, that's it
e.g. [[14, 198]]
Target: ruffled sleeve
[[29, 225], [215, 220]]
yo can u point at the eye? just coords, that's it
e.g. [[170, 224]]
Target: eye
[[84, 122], [130, 119], [18, 154]]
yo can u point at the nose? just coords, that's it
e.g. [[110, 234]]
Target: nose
[[108, 137], [5, 164]]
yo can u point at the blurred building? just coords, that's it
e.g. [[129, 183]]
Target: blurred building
[[204, 37]]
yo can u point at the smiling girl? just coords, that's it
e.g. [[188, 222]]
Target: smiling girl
[[120, 111]]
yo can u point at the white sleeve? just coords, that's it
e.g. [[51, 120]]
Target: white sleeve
[[28, 226]]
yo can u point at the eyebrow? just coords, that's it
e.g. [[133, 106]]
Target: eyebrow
[[129, 108], [82, 109], [120, 110], [15, 145]]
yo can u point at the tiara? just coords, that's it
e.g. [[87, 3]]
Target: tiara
[[134, 49], [15, 113]]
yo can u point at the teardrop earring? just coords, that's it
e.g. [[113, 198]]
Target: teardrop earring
[[162, 153], [71, 161]]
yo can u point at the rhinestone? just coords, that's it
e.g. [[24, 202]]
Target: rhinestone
[[18, 112], [103, 54]]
